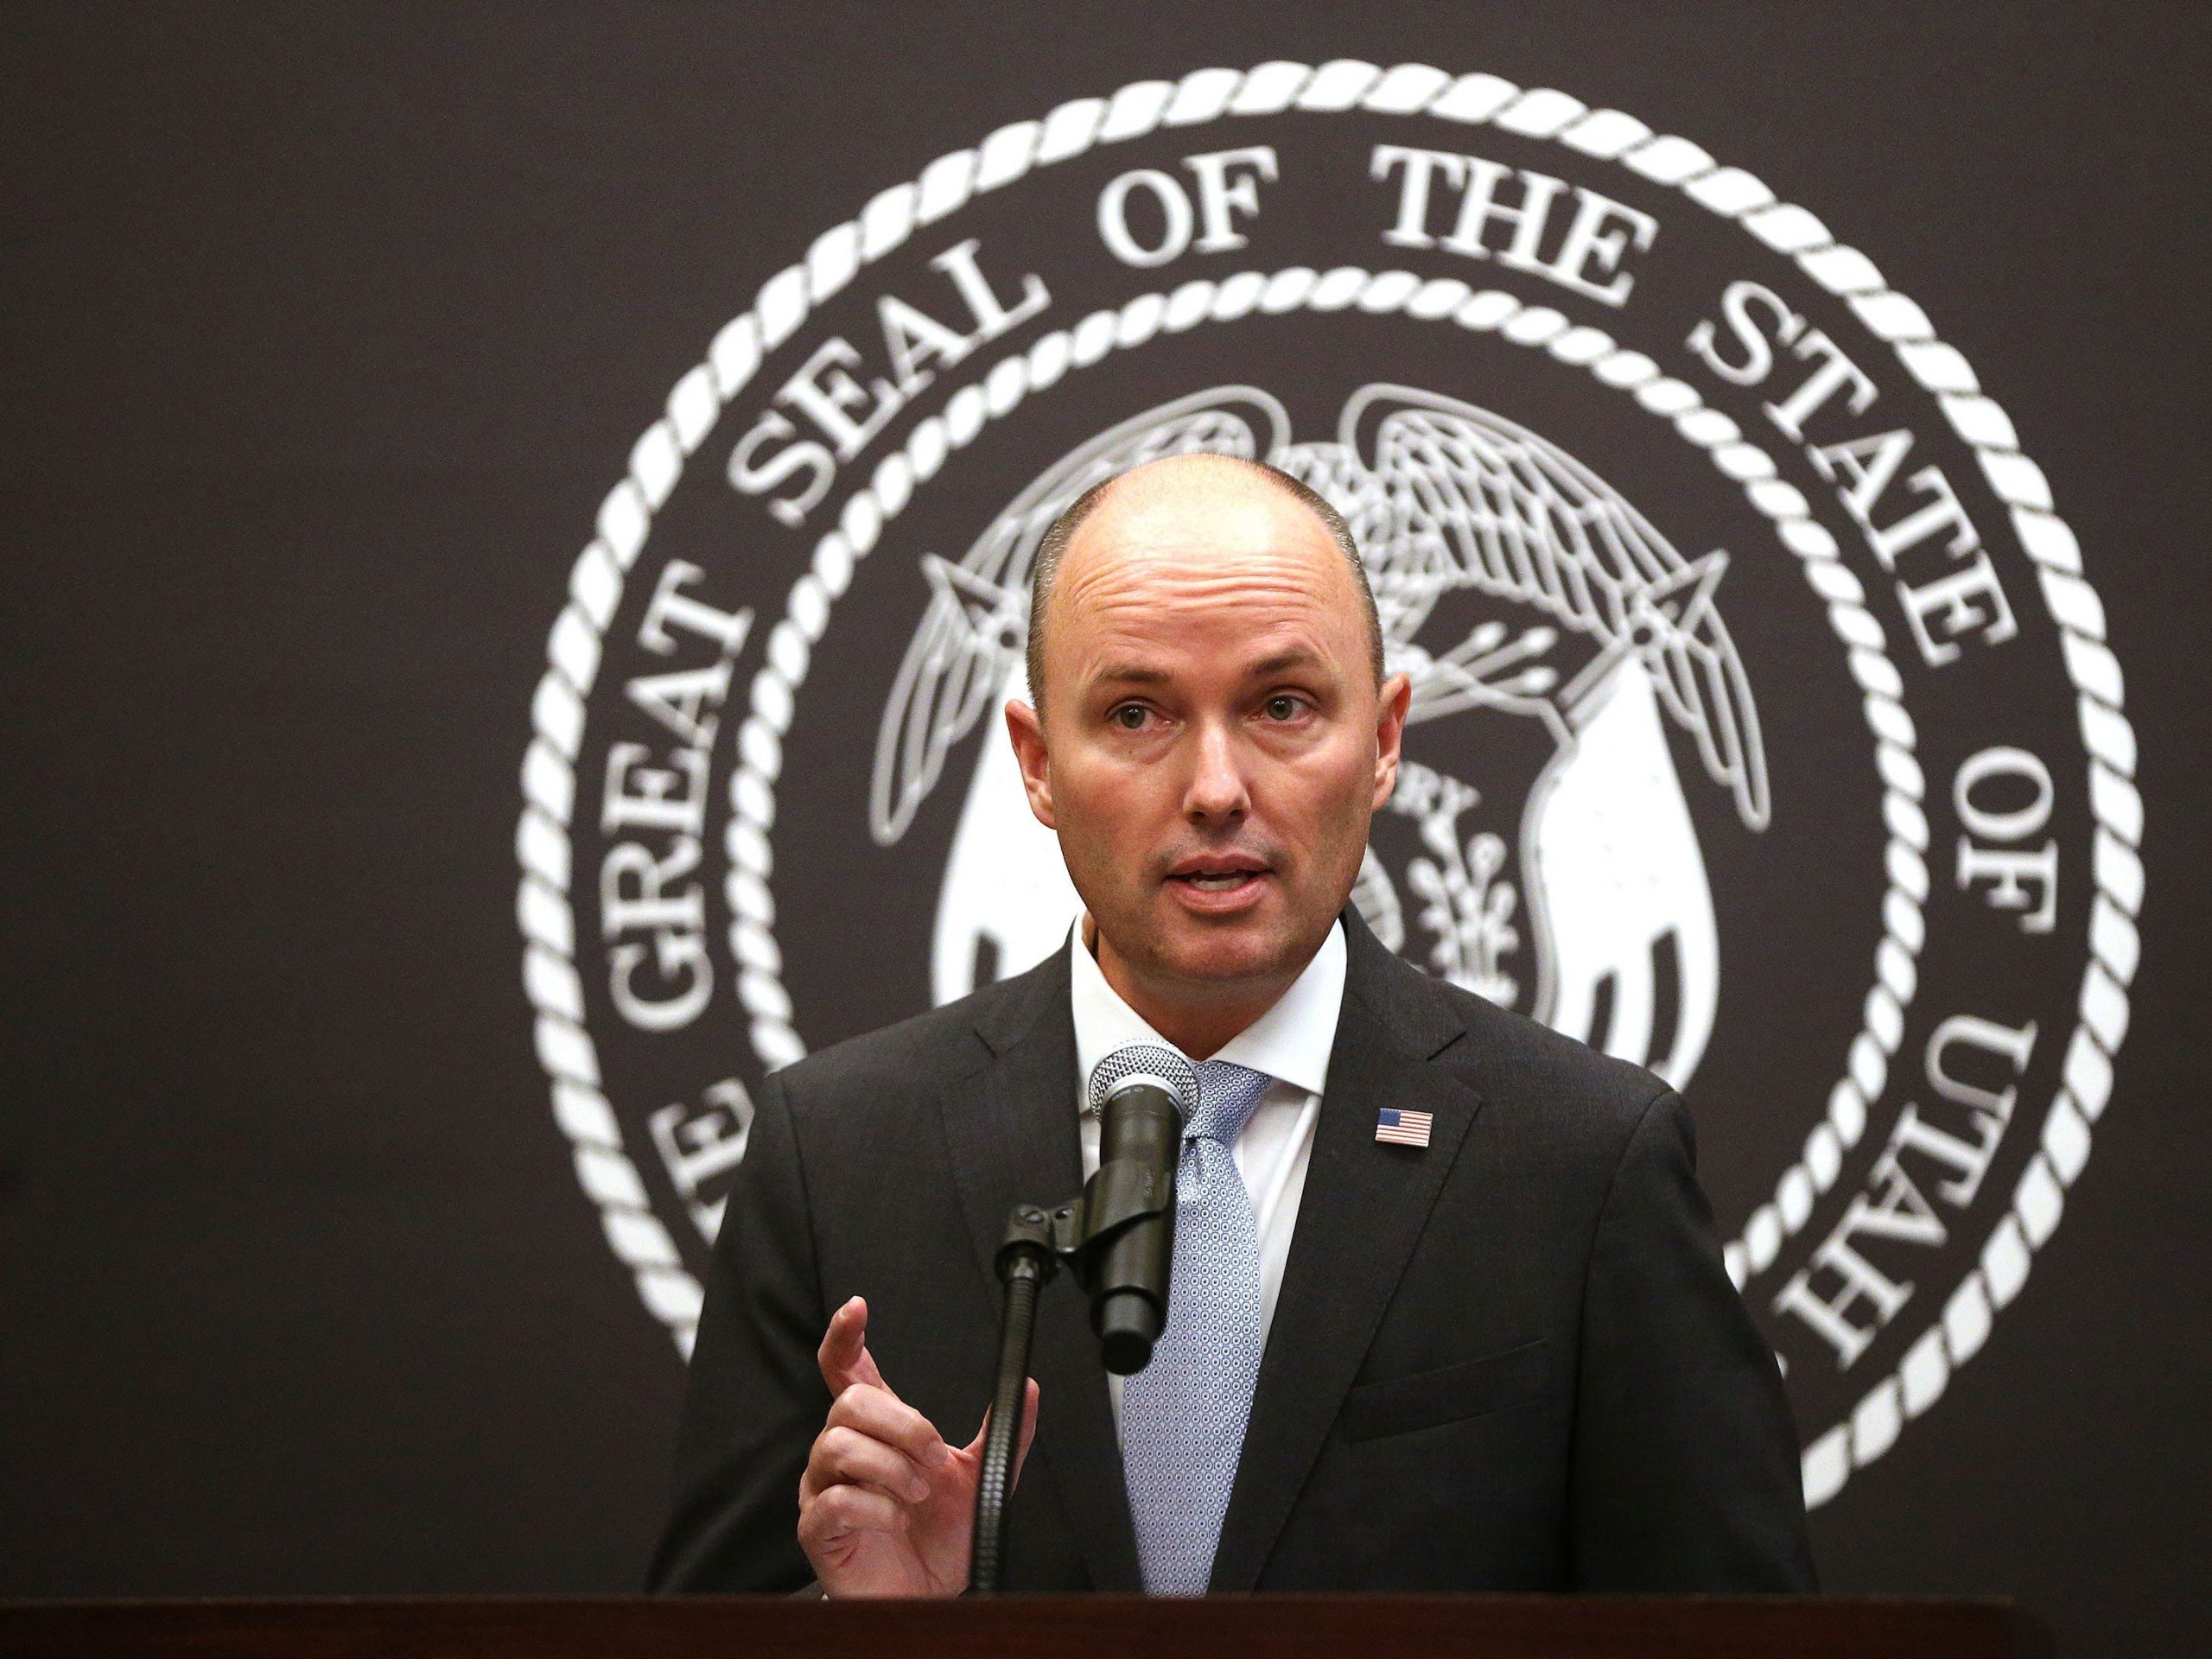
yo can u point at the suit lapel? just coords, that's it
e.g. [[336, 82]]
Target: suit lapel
[[1014, 1136], [1361, 1214]]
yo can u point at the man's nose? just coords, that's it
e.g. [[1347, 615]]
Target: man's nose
[[1218, 788]]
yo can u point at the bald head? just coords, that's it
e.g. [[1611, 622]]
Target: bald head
[[1219, 733], [1193, 485]]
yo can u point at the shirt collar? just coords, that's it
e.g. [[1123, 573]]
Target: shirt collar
[[1291, 1041]]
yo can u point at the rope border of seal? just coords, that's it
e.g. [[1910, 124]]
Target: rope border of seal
[[547, 920]]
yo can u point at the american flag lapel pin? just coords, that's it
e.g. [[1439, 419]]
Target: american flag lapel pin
[[1396, 1128]]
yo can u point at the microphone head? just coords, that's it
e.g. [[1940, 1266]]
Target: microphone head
[[1149, 1062]]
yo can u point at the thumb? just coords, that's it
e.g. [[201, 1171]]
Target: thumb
[[974, 1447], [1028, 1427]]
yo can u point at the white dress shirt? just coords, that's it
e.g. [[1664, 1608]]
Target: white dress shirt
[[1290, 1043]]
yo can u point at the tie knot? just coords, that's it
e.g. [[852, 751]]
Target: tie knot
[[1227, 1095]]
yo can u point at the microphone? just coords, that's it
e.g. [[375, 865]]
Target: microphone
[[1143, 1094]]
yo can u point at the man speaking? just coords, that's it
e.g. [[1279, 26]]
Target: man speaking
[[1447, 1312]]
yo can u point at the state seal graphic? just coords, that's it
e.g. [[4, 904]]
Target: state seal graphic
[[1764, 729]]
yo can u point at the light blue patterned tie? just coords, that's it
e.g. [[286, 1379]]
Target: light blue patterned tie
[[1183, 1416]]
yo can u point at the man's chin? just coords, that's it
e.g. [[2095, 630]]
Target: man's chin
[[1231, 954]]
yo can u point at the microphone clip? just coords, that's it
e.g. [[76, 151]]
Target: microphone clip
[[1079, 1233]]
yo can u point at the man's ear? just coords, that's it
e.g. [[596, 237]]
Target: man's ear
[[1028, 733], [1389, 733]]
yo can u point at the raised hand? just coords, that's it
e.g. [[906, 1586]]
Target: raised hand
[[886, 1507]]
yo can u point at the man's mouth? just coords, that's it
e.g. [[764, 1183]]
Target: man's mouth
[[1221, 880], [1218, 872]]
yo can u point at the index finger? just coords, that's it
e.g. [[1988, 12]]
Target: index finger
[[843, 1356], [882, 1415]]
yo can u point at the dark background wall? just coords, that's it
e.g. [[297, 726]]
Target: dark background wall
[[325, 329]]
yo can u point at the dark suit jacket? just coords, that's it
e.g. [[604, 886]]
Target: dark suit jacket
[[1510, 1361]]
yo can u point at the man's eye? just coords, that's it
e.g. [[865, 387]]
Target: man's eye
[[1284, 707], [1129, 717]]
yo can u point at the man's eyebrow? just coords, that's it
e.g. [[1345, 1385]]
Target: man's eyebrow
[[1282, 662], [1129, 674], [1144, 674]]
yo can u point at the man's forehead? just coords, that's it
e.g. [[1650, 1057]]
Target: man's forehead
[[1241, 606], [1201, 554]]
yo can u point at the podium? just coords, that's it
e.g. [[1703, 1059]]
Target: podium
[[1014, 1627]]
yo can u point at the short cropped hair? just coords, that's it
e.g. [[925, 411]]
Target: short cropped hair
[[1045, 572]]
